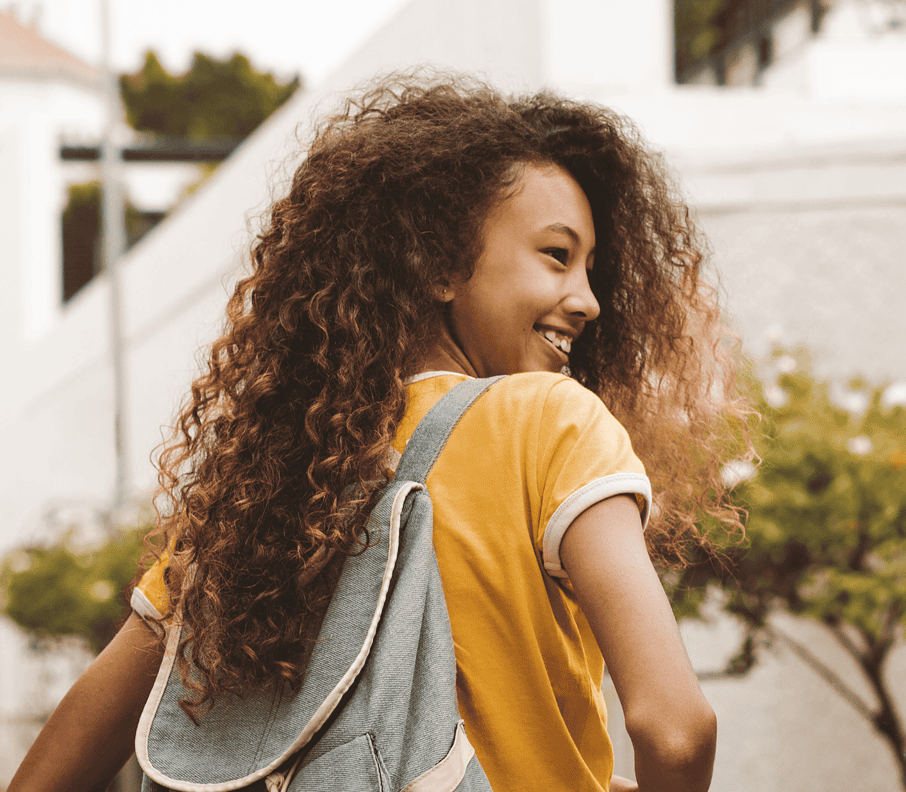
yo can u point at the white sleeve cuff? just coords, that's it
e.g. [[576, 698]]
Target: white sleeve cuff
[[142, 605], [593, 492]]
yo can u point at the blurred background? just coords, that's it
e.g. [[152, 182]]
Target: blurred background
[[140, 144]]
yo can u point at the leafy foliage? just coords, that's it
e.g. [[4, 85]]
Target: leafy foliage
[[56, 591], [213, 100], [826, 534], [694, 34], [827, 525]]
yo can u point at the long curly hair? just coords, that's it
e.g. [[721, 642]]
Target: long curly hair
[[281, 446]]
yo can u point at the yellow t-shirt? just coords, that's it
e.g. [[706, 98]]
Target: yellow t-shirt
[[530, 455]]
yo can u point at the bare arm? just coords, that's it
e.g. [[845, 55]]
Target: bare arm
[[91, 733], [671, 725]]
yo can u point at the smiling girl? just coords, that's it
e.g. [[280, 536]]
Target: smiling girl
[[434, 233]]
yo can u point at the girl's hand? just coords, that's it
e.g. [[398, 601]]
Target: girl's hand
[[91, 733], [620, 784], [671, 725]]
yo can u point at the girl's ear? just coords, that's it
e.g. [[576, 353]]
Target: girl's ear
[[444, 292]]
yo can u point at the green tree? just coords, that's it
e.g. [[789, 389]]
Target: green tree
[[57, 591], [213, 100], [694, 34], [826, 534]]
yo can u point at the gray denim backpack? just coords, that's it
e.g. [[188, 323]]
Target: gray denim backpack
[[377, 708]]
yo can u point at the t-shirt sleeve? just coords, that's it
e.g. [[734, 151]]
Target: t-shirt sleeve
[[149, 597], [584, 456]]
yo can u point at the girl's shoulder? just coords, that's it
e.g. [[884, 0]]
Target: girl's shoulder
[[548, 395], [541, 384], [533, 402]]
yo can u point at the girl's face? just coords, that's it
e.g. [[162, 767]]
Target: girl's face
[[529, 297]]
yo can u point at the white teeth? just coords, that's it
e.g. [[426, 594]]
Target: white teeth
[[561, 342]]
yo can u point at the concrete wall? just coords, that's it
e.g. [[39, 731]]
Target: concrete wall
[[810, 243], [608, 45]]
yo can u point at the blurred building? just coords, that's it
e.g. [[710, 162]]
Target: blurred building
[[830, 49], [52, 116], [798, 175]]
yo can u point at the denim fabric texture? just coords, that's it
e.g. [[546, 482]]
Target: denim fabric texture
[[398, 721]]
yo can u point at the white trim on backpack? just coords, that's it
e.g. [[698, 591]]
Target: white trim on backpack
[[448, 773], [431, 374], [143, 606]]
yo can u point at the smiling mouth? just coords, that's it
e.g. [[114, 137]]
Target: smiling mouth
[[559, 341]]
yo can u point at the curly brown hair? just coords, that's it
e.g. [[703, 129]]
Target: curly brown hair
[[278, 451]]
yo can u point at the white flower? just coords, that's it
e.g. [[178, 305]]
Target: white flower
[[786, 364], [855, 402], [894, 396], [736, 472], [860, 446], [101, 590], [776, 396], [19, 561]]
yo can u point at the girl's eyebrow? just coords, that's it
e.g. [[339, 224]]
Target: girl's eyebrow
[[562, 228]]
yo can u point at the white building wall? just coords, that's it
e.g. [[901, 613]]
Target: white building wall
[[158, 186], [868, 70], [40, 236], [500, 40], [35, 114], [12, 308], [608, 46]]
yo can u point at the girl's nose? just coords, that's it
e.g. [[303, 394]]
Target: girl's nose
[[581, 300]]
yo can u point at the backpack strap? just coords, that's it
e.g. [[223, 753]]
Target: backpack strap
[[430, 436]]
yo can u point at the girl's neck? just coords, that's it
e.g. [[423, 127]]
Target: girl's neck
[[446, 355]]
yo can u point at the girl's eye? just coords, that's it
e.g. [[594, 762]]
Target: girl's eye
[[560, 254]]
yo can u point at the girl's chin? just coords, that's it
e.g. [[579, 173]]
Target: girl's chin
[[555, 359]]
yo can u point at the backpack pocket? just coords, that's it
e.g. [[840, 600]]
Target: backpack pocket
[[354, 766]]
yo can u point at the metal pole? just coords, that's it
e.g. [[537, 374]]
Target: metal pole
[[113, 233]]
